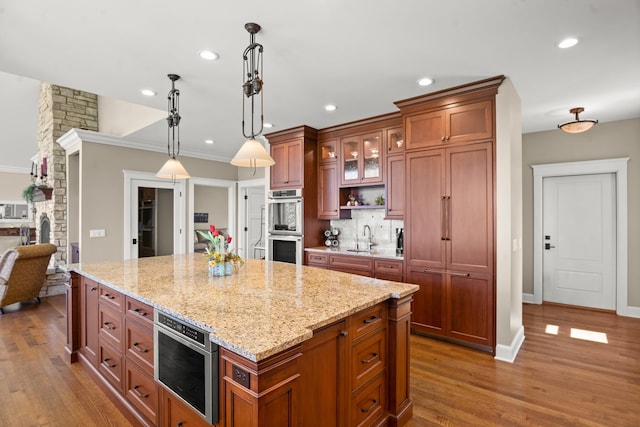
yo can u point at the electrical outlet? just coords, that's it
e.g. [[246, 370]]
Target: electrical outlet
[[96, 233]]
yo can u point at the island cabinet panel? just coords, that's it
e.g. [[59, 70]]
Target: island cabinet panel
[[260, 394], [323, 390], [142, 391], [89, 322]]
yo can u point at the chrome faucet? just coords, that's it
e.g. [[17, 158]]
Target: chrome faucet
[[364, 233]]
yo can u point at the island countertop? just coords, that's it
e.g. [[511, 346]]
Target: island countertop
[[260, 310]]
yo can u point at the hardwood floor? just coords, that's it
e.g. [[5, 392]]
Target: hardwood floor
[[555, 381]]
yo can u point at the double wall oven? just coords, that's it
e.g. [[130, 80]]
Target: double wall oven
[[285, 225]]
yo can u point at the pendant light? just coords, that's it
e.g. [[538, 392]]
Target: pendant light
[[173, 169], [252, 154], [577, 126]]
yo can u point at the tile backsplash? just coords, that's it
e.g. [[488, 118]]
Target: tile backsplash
[[383, 230]]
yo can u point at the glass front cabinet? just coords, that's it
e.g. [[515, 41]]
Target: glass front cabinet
[[361, 159]]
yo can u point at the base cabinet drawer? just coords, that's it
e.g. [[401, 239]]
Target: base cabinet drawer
[[369, 403], [111, 366], [139, 345], [368, 358], [177, 413], [142, 392], [111, 326]]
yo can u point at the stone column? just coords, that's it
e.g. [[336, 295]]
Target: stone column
[[60, 110]]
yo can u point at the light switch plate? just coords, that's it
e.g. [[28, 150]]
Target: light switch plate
[[96, 233]]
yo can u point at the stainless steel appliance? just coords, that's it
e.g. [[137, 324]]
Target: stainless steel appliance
[[286, 248], [186, 362], [285, 212]]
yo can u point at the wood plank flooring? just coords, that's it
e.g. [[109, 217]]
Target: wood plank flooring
[[555, 381]]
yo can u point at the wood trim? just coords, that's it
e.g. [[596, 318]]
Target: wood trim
[[361, 126], [400, 404], [73, 318]]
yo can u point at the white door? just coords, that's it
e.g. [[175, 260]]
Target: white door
[[579, 232]]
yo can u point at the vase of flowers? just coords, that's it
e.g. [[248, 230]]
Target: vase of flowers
[[218, 256]]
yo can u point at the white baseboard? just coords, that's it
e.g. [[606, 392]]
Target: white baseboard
[[629, 311], [528, 298], [508, 353]]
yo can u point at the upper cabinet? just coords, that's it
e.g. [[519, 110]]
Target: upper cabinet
[[395, 141], [361, 159], [294, 151], [455, 124]]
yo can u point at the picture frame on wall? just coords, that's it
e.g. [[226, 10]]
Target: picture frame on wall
[[200, 217]]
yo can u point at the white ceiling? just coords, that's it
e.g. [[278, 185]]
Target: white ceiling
[[361, 55]]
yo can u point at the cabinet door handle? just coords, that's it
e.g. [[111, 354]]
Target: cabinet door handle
[[374, 356], [370, 319], [430, 270], [443, 217], [106, 363], [448, 217], [344, 333], [137, 392], [443, 138], [140, 349], [460, 274], [107, 325], [373, 405]]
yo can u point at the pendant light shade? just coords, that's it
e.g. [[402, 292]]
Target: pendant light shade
[[577, 126], [252, 154], [173, 170]]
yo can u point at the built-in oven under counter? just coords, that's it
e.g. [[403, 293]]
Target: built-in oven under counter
[[186, 362]]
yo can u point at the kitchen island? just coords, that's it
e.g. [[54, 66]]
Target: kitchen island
[[298, 345]]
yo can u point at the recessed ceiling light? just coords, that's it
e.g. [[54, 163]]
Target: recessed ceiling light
[[147, 92], [330, 107], [268, 125], [425, 81], [209, 141], [209, 55], [567, 43]]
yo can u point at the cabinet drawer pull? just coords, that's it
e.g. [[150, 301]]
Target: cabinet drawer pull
[[344, 333], [139, 312], [137, 392], [179, 424], [109, 296], [429, 270], [106, 363], [374, 356], [93, 288], [370, 319], [107, 325], [373, 405], [140, 349]]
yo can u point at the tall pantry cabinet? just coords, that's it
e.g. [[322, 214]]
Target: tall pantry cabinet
[[449, 211]]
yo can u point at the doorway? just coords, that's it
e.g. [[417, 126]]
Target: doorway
[[252, 218], [618, 169], [169, 222], [211, 202]]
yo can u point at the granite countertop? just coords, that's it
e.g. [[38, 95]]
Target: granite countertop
[[262, 309], [374, 253]]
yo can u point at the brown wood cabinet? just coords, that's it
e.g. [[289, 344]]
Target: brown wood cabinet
[[449, 212], [176, 413], [395, 187], [450, 125], [288, 169], [328, 194], [89, 325], [361, 158], [380, 268]]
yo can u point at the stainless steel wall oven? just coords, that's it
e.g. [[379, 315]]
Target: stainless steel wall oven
[[186, 362], [285, 212]]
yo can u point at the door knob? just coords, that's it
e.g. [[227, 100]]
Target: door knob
[[548, 246]]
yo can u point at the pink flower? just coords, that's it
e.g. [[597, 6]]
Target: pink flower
[[216, 233], [212, 228], [228, 239]]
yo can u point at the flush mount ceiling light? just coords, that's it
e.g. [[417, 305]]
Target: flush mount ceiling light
[[147, 92], [330, 107], [252, 154], [173, 169], [209, 141], [425, 81], [577, 125]]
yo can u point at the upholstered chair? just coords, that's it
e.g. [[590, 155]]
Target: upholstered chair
[[27, 275]]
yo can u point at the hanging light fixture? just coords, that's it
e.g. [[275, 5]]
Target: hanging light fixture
[[577, 126], [252, 154], [173, 169]]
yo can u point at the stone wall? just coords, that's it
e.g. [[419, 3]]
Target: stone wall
[[60, 109]]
